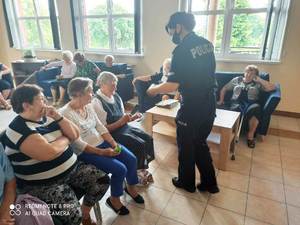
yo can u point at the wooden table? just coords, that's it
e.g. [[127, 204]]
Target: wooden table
[[226, 125]]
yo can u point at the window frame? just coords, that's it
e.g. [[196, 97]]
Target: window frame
[[13, 25], [78, 28], [280, 20]]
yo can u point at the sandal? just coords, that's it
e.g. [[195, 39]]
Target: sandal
[[251, 143], [149, 176]]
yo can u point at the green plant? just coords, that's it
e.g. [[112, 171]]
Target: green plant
[[29, 53]]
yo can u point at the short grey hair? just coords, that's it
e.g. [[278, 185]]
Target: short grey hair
[[67, 55], [106, 78], [79, 86]]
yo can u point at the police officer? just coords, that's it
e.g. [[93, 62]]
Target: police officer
[[192, 73]]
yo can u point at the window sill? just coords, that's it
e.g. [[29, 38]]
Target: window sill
[[248, 61], [133, 55]]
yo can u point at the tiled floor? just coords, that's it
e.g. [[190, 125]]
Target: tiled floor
[[262, 186]]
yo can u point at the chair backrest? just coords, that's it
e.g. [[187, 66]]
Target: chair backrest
[[117, 68]]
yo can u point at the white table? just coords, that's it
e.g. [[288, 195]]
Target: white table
[[226, 124]]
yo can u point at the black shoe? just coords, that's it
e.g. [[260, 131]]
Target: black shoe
[[211, 189], [251, 143], [177, 184], [138, 199], [121, 211]]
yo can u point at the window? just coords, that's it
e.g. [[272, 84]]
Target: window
[[242, 29], [107, 25], [32, 24]]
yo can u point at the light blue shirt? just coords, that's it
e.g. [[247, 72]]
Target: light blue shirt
[[6, 171]]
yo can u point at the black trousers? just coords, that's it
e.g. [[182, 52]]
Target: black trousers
[[193, 150], [138, 142]]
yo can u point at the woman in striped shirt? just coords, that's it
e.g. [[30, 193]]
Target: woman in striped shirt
[[37, 143]]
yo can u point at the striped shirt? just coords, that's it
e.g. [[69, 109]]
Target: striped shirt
[[29, 171]]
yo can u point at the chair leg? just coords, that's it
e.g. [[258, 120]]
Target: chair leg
[[97, 211]]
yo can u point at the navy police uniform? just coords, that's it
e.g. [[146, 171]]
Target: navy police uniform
[[193, 67]]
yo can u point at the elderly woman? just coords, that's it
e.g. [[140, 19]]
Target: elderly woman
[[110, 111], [142, 83], [37, 142], [7, 188], [86, 68], [98, 145], [245, 98], [68, 71], [6, 82], [109, 62]]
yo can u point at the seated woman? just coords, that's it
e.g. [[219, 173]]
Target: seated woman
[[86, 68], [7, 189], [37, 142], [109, 61], [245, 98], [68, 71], [110, 111], [142, 83], [98, 145], [6, 82]]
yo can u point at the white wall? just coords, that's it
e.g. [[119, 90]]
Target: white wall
[[157, 46]]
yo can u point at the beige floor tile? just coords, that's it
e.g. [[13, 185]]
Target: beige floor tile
[[266, 158], [170, 163], [287, 123], [201, 196], [243, 151], [137, 216], [184, 210], [229, 199], [108, 216], [153, 165], [290, 152], [217, 216], [291, 163], [266, 210], [250, 221], [291, 178], [166, 221], [267, 189], [156, 199], [289, 142], [270, 139], [163, 179], [233, 180], [294, 215], [292, 195], [271, 149], [263, 171], [241, 165]]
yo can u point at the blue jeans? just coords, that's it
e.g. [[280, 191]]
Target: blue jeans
[[121, 166]]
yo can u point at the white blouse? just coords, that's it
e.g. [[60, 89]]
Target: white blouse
[[98, 107], [90, 127], [67, 70]]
